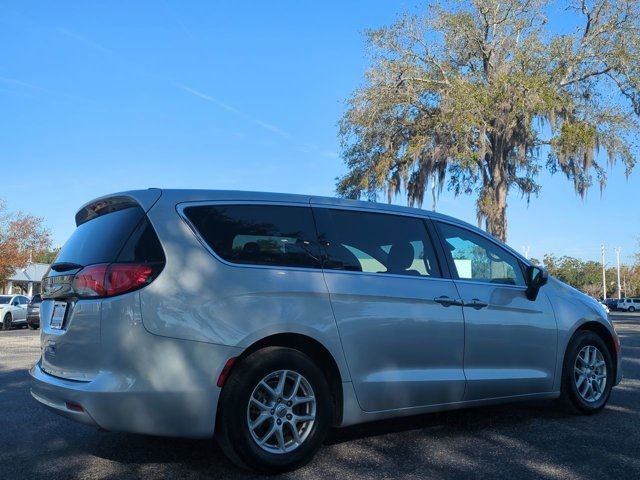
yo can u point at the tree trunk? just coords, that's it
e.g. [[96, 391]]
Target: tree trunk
[[492, 204], [497, 219]]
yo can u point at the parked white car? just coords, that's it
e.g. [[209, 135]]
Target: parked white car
[[629, 304], [13, 310]]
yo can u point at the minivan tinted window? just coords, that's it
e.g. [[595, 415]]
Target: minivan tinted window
[[376, 243], [258, 234], [100, 239], [143, 246]]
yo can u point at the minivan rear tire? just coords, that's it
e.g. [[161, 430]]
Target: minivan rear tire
[[570, 396], [232, 430]]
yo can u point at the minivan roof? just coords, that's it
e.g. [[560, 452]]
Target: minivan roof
[[147, 198]]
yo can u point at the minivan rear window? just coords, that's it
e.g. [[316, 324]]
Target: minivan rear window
[[100, 239], [258, 234], [143, 245]]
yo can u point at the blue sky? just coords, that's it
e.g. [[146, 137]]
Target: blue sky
[[99, 97]]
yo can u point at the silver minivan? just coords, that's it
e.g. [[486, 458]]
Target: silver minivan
[[265, 319]]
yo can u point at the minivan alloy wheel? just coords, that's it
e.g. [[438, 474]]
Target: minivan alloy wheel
[[590, 373], [281, 411]]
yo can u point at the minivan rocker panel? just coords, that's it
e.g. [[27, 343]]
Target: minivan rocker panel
[[154, 330]]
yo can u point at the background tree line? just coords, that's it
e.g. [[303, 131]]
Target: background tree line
[[586, 275]]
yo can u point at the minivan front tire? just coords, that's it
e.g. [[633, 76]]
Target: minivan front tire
[[587, 360], [275, 390]]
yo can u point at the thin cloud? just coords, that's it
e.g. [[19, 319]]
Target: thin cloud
[[211, 99], [18, 83], [273, 128], [175, 17], [83, 40], [312, 147], [13, 92], [197, 93], [45, 91], [229, 108]]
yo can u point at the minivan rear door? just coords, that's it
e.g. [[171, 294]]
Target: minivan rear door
[[399, 320]]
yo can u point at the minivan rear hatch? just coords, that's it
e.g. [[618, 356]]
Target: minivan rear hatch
[[114, 250]]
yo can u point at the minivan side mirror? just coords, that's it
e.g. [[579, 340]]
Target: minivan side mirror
[[536, 277]]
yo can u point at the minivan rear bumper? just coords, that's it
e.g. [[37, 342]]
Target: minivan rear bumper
[[57, 396], [128, 404]]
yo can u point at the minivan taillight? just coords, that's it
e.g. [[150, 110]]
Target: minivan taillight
[[109, 279]]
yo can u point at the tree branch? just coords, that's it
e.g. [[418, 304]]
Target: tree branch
[[585, 76]]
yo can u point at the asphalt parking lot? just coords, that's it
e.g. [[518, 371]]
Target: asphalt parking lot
[[533, 440]]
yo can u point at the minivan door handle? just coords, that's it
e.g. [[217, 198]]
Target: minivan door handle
[[447, 301], [476, 303]]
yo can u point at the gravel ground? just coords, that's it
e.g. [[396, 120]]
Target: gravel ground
[[533, 440]]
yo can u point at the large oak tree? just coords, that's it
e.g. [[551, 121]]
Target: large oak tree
[[481, 95]]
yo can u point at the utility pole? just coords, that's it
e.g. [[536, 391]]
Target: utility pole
[[604, 278], [618, 263], [526, 250]]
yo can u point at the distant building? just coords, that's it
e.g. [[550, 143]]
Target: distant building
[[27, 280]]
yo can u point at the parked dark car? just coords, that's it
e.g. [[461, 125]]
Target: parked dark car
[[612, 303], [33, 312]]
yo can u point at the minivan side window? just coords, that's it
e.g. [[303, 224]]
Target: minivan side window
[[258, 234], [376, 243], [477, 258]]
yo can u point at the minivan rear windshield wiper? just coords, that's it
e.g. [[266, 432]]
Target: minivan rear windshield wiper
[[65, 266]]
